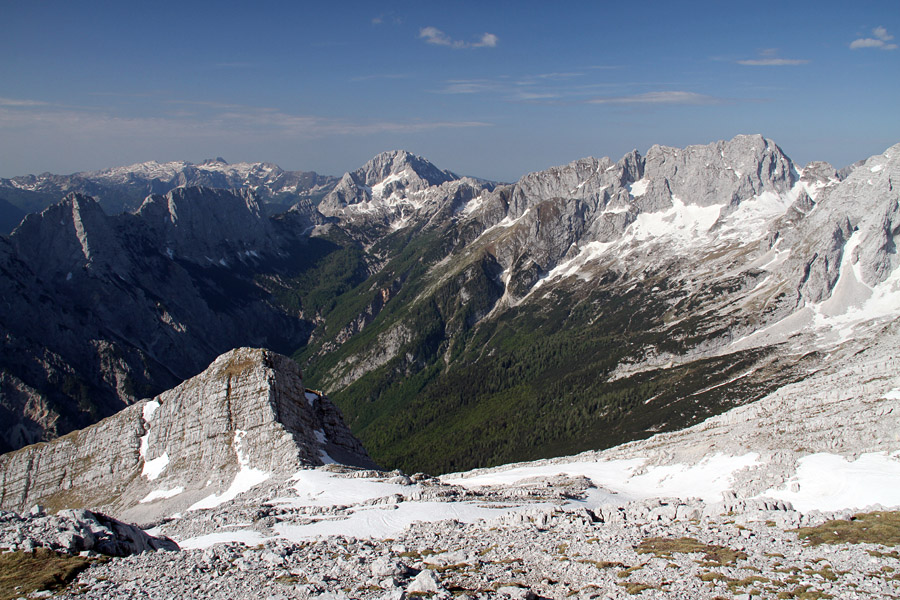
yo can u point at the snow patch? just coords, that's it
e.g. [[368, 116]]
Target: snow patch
[[629, 478], [389, 522], [832, 482], [685, 221], [247, 537], [852, 301], [153, 468], [323, 440], [158, 494], [378, 188], [150, 408], [639, 188], [320, 488], [246, 478], [590, 252]]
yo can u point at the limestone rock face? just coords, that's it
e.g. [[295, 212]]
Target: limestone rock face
[[720, 173], [243, 420], [201, 223], [852, 231]]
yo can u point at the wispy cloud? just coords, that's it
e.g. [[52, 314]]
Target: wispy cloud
[[881, 40], [671, 97], [213, 121], [19, 102], [768, 57], [540, 88], [433, 35]]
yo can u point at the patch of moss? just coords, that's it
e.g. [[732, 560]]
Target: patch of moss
[[634, 587], [603, 564], [22, 573], [665, 547], [628, 571], [803, 592], [864, 528]]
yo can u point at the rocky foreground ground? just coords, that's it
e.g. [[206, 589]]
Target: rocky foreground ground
[[554, 549]]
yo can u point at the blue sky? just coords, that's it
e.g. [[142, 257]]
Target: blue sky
[[491, 89]]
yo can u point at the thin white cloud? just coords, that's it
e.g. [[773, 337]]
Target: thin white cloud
[[882, 40], [768, 57], [773, 62], [20, 102], [218, 122], [434, 36], [672, 97]]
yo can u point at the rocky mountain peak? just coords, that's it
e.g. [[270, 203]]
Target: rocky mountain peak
[[65, 237], [722, 173], [402, 164], [245, 419], [204, 224], [389, 187]]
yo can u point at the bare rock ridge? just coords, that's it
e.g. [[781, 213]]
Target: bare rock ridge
[[243, 420]]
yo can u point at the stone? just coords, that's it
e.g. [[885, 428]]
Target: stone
[[425, 581]]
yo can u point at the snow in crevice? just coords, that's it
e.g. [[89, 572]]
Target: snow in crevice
[[246, 478], [506, 223], [852, 301], [151, 469], [589, 253], [323, 440]]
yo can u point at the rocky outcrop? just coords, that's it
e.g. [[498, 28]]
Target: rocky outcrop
[[76, 530], [245, 419]]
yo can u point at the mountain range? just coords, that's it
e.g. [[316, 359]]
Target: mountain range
[[458, 323], [123, 189]]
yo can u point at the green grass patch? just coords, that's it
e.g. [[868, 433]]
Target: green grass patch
[[714, 555], [634, 587], [864, 528], [803, 592], [22, 573]]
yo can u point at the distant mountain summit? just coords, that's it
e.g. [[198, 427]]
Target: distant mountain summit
[[124, 188]]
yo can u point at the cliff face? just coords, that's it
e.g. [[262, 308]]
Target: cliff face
[[245, 419]]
